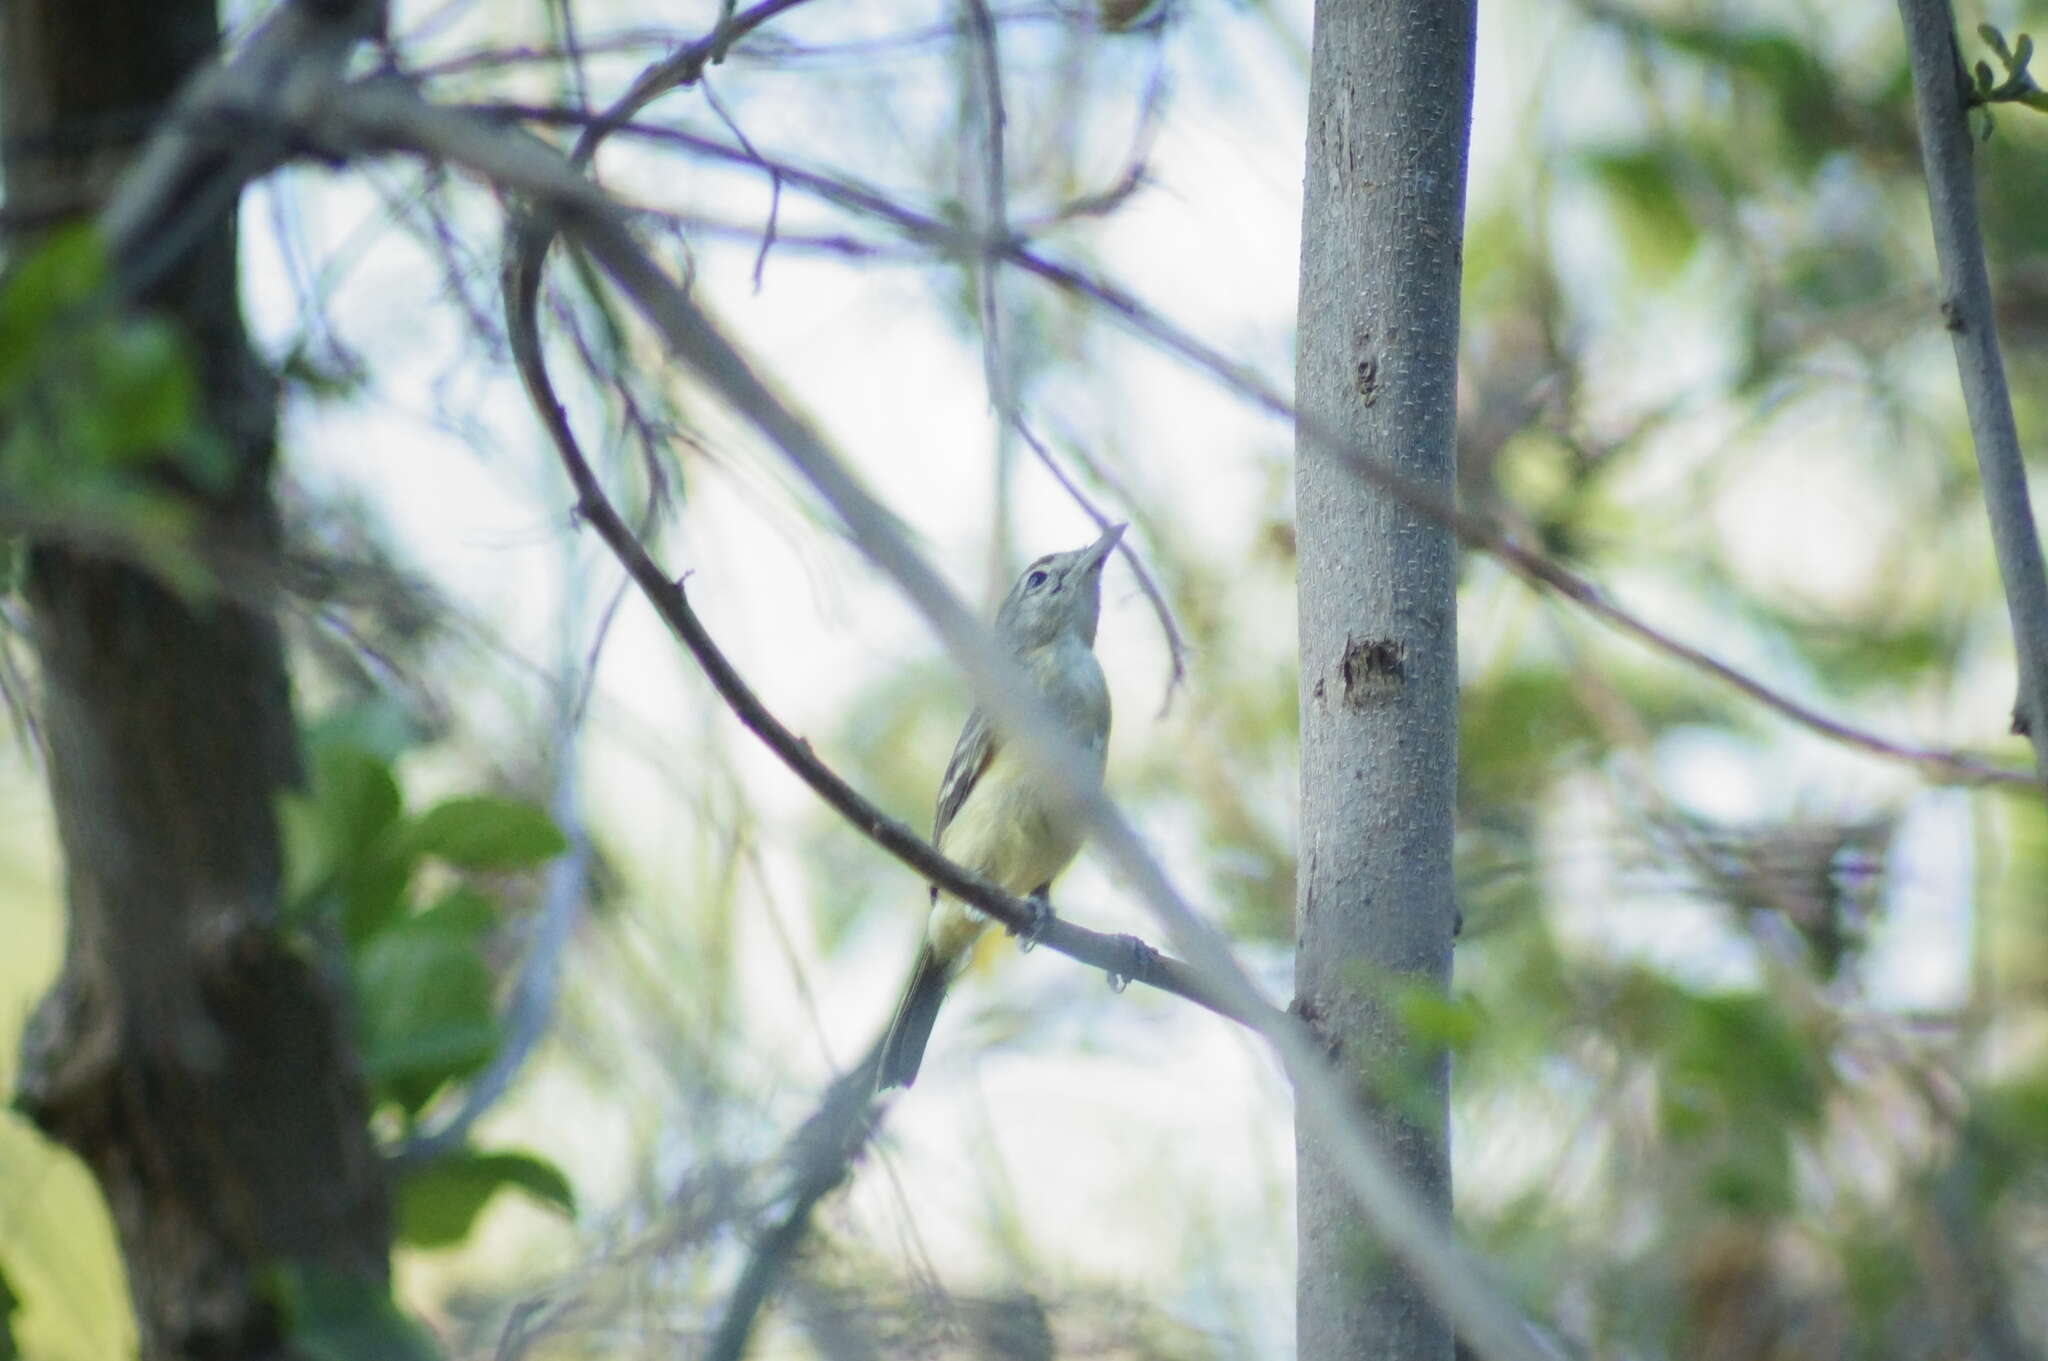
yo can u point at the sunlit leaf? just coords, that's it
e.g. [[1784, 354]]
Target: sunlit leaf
[[486, 832]]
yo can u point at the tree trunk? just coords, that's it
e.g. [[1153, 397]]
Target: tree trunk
[[197, 1063], [1390, 93]]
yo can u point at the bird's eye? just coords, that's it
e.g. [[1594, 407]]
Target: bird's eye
[[1035, 580]]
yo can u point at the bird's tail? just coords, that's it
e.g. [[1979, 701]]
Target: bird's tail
[[903, 1050]]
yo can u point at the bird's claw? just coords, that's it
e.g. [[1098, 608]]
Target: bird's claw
[[1032, 932], [1142, 957]]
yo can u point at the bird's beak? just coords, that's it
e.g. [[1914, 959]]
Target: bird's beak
[[1094, 555]]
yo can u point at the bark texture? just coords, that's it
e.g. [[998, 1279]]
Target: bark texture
[[1382, 226], [200, 1066]]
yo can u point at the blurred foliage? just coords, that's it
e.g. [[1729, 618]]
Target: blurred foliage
[[1747, 1028], [336, 1317], [95, 404], [1730, 1134], [408, 903], [9, 1350]]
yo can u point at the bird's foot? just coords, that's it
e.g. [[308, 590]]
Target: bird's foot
[[1142, 959], [1032, 932]]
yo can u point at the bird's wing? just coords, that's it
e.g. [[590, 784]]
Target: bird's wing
[[971, 755]]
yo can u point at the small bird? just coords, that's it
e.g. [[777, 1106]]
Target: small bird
[[999, 814]]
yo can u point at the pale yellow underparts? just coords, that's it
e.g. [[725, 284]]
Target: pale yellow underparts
[[1013, 828]]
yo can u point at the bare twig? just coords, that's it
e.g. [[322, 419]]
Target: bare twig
[[768, 230], [226, 130], [995, 226], [1966, 310], [563, 894], [775, 48], [378, 116], [1001, 368], [819, 1156], [1120, 956], [1475, 531], [545, 54], [1176, 646]]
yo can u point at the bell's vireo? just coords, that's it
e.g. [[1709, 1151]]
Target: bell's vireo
[[999, 814]]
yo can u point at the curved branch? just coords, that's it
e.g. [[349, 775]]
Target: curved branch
[[1119, 956]]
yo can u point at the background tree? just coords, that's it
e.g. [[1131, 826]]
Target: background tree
[[1390, 91], [188, 1054]]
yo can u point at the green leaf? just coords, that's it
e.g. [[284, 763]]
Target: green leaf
[[145, 390], [373, 888], [462, 911], [439, 1202], [2007, 1135], [1751, 1172], [1738, 1080], [1740, 1047], [344, 848], [423, 1000], [64, 270], [1434, 1020], [379, 726], [9, 1302], [485, 832], [358, 798], [1652, 213], [335, 1317]]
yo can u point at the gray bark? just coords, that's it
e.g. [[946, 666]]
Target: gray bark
[[1948, 151], [1390, 92], [198, 1064]]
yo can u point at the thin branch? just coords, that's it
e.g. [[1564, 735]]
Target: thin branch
[[374, 116], [773, 49], [995, 227], [229, 127], [821, 1154], [1119, 956], [1476, 531], [492, 58], [564, 893], [1176, 645], [1966, 310], [1102, 202], [681, 69], [768, 231], [1001, 370]]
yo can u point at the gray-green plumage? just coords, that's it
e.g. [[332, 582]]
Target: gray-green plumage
[[997, 814]]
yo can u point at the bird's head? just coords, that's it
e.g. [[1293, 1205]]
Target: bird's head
[[1057, 593]]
